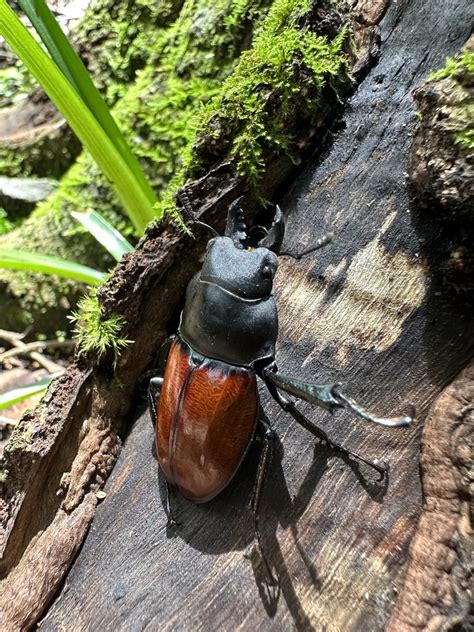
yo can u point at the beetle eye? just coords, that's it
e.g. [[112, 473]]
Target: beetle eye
[[267, 272]]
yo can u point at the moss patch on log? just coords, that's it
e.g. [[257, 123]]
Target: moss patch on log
[[272, 69], [460, 71], [275, 85], [203, 98], [187, 62], [441, 162], [96, 333], [114, 56]]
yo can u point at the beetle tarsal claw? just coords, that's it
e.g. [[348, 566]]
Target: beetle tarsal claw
[[392, 422]]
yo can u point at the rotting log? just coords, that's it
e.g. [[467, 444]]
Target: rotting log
[[437, 590], [368, 311]]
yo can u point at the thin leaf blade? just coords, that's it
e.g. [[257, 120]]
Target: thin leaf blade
[[105, 233], [15, 395], [82, 121], [70, 64], [34, 262]]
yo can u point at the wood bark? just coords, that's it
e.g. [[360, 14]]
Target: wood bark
[[368, 311]]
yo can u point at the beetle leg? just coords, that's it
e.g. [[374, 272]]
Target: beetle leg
[[155, 384], [265, 460], [154, 389], [153, 394], [358, 410], [290, 407], [172, 522], [327, 396]]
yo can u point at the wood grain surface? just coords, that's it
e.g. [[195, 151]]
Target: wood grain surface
[[368, 311]]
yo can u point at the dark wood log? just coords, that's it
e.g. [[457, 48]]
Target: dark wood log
[[436, 593], [368, 311]]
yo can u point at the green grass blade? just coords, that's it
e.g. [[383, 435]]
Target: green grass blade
[[70, 64], [82, 121], [33, 262], [104, 232], [47, 28], [16, 395]]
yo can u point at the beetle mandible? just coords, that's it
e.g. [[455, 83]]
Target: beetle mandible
[[206, 406]]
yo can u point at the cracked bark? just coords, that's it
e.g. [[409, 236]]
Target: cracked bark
[[436, 593]]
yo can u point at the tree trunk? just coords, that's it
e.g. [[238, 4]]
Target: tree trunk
[[351, 552]]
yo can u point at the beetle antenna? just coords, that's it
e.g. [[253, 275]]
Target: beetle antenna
[[322, 241], [189, 213]]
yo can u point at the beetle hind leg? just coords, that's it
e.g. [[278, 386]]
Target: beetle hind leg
[[268, 436]]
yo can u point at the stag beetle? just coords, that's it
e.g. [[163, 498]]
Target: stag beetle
[[206, 406]]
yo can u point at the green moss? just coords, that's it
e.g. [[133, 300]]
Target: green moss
[[466, 137], [203, 95], [6, 225], [195, 56], [115, 55], [96, 333], [274, 67], [456, 67], [14, 84], [460, 70], [278, 81]]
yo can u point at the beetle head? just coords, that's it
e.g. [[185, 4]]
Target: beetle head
[[245, 273]]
